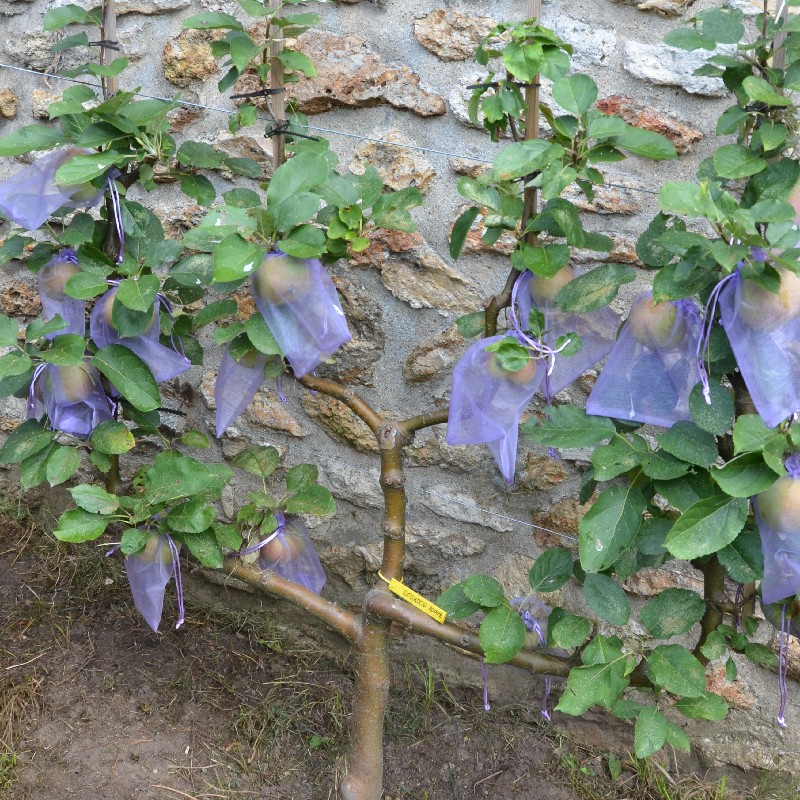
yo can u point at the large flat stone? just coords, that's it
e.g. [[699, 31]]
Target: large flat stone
[[670, 66]]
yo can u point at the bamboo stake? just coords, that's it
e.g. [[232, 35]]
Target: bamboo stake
[[531, 196], [779, 51], [108, 33], [277, 101]]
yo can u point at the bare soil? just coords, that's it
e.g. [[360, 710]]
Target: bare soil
[[93, 705]]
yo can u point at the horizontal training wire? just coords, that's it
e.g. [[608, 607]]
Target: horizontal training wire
[[316, 128]]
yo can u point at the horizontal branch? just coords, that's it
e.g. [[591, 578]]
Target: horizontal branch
[[380, 603], [346, 395], [413, 424], [340, 619]]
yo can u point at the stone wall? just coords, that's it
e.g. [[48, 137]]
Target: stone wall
[[398, 72]]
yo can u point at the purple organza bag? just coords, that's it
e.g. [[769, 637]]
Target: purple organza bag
[[72, 397], [778, 521], [52, 279], [149, 572], [765, 339], [31, 195], [236, 386], [486, 403], [164, 362], [598, 332], [652, 369], [299, 303], [290, 553]]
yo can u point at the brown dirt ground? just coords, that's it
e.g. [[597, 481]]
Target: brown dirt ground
[[93, 705]]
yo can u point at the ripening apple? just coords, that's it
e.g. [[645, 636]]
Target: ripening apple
[[283, 547], [544, 290], [76, 382], [53, 278], [155, 548], [282, 279], [779, 506], [657, 326], [521, 377], [763, 310]]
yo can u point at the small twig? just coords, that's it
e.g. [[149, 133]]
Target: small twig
[[29, 661]]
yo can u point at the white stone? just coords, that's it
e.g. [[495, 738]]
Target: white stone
[[670, 66], [593, 46], [445, 502]]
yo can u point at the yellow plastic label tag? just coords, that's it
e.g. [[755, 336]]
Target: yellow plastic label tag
[[417, 600]]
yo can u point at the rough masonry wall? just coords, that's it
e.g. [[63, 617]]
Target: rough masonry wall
[[399, 72]]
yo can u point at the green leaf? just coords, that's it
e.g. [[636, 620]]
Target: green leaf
[[722, 25], [761, 654], [62, 464], [594, 289], [609, 527], [707, 526], [174, 476], [129, 374], [742, 558], [671, 613], [294, 210], [674, 668], [195, 438], [750, 434], [501, 634], [199, 188], [65, 351], [305, 241], [602, 650], [471, 325], [33, 470], [194, 516], [523, 158], [646, 144], [692, 444], [13, 364], [705, 706], [621, 454], [596, 685], [112, 438], [133, 540], [716, 417], [660, 465], [81, 168], [24, 441], [94, 499], [260, 336], [744, 475], [86, 285], [204, 547], [9, 330], [302, 173], [30, 138], [315, 499], [210, 20], [484, 590], [759, 91], [56, 18], [301, 477], [214, 311], [78, 525], [650, 732], [715, 646], [297, 62], [138, 294], [551, 571], [13, 247], [568, 427], [576, 94], [260, 460], [566, 630], [689, 39], [228, 537], [236, 258], [544, 261], [460, 230], [456, 603], [607, 599], [735, 161]]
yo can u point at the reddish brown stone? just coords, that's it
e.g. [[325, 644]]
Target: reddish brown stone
[[683, 136]]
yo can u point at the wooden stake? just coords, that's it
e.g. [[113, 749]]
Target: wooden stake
[[779, 51], [531, 196], [109, 34], [277, 101]]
